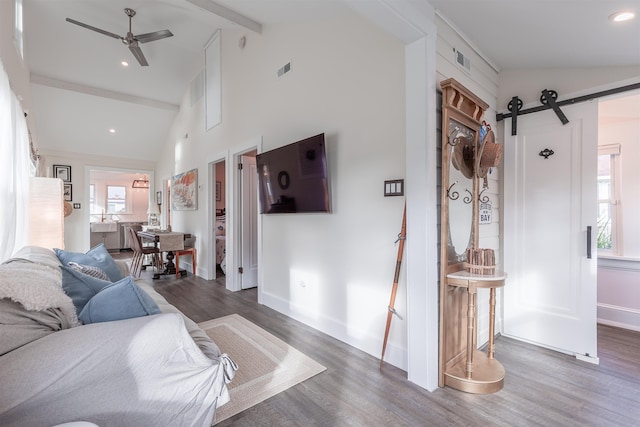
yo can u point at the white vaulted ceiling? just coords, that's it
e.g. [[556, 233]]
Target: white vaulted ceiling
[[80, 90]]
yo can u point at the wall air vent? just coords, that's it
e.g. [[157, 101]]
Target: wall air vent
[[462, 60], [284, 69]]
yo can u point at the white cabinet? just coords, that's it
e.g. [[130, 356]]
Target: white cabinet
[[111, 240]]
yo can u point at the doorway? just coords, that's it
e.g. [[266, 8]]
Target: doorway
[[233, 223], [120, 197], [242, 222], [618, 209], [219, 184]]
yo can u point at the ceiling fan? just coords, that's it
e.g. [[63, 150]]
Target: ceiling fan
[[130, 39]]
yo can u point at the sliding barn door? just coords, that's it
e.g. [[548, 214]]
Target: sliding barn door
[[550, 205]]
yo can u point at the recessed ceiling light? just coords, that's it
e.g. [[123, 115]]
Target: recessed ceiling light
[[621, 16], [112, 130], [124, 63]]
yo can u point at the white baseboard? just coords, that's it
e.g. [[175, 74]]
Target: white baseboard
[[620, 317], [188, 266], [394, 355]]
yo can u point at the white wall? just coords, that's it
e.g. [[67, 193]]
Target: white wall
[[619, 292], [347, 80], [482, 80]]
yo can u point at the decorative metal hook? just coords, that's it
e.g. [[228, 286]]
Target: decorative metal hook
[[546, 153], [468, 199], [450, 140], [453, 195], [483, 199]]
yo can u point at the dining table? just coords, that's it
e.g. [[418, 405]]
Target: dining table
[[169, 242]]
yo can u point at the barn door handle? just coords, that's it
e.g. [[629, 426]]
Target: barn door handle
[[588, 242]]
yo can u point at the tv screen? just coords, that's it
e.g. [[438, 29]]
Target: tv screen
[[294, 178]]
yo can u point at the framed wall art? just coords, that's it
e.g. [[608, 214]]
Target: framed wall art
[[184, 191], [63, 172], [67, 191]]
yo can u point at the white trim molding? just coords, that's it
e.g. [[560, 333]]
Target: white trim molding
[[620, 317]]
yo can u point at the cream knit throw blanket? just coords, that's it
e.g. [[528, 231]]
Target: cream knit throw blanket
[[36, 287]]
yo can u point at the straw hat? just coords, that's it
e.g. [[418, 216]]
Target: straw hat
[[68, 209], [490, 154], [463, 156]]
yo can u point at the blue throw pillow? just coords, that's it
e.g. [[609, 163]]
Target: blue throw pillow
[[80, 287], [98, 256], [90, 270], [118, 301]]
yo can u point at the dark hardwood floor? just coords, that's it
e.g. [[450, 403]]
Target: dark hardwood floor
[[542, 387]]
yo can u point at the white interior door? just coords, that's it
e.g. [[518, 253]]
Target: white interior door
[[249, 215], [550, 295]]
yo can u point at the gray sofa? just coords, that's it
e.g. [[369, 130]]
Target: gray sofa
[[154, 370]]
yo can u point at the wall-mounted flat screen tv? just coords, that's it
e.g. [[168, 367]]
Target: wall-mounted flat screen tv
[[293, 178]]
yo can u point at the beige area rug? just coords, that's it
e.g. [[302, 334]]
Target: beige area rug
[[266, 364]]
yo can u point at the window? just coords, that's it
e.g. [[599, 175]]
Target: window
[[116, 199], [15, 169], [92, 200], [609, 224]]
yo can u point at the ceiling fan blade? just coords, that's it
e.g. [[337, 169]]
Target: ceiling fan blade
[[156, 35], [137, 52], [89, 27]]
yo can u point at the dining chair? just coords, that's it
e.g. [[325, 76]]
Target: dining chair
[[189, 249], [139, 252]]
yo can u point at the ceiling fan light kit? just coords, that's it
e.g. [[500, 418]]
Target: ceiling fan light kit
[[130, 40]]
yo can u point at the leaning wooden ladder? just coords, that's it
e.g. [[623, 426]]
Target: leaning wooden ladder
[[391, 308]]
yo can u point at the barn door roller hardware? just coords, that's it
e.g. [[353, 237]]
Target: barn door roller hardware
[[549, 97], [548, 100]]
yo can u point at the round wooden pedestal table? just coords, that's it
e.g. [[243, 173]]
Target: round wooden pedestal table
[[477, 372]]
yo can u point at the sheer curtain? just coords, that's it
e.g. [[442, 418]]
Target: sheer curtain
[[15, 170]]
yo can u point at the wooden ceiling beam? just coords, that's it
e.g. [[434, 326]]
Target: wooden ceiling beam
[[228, 14], [103, 93]]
